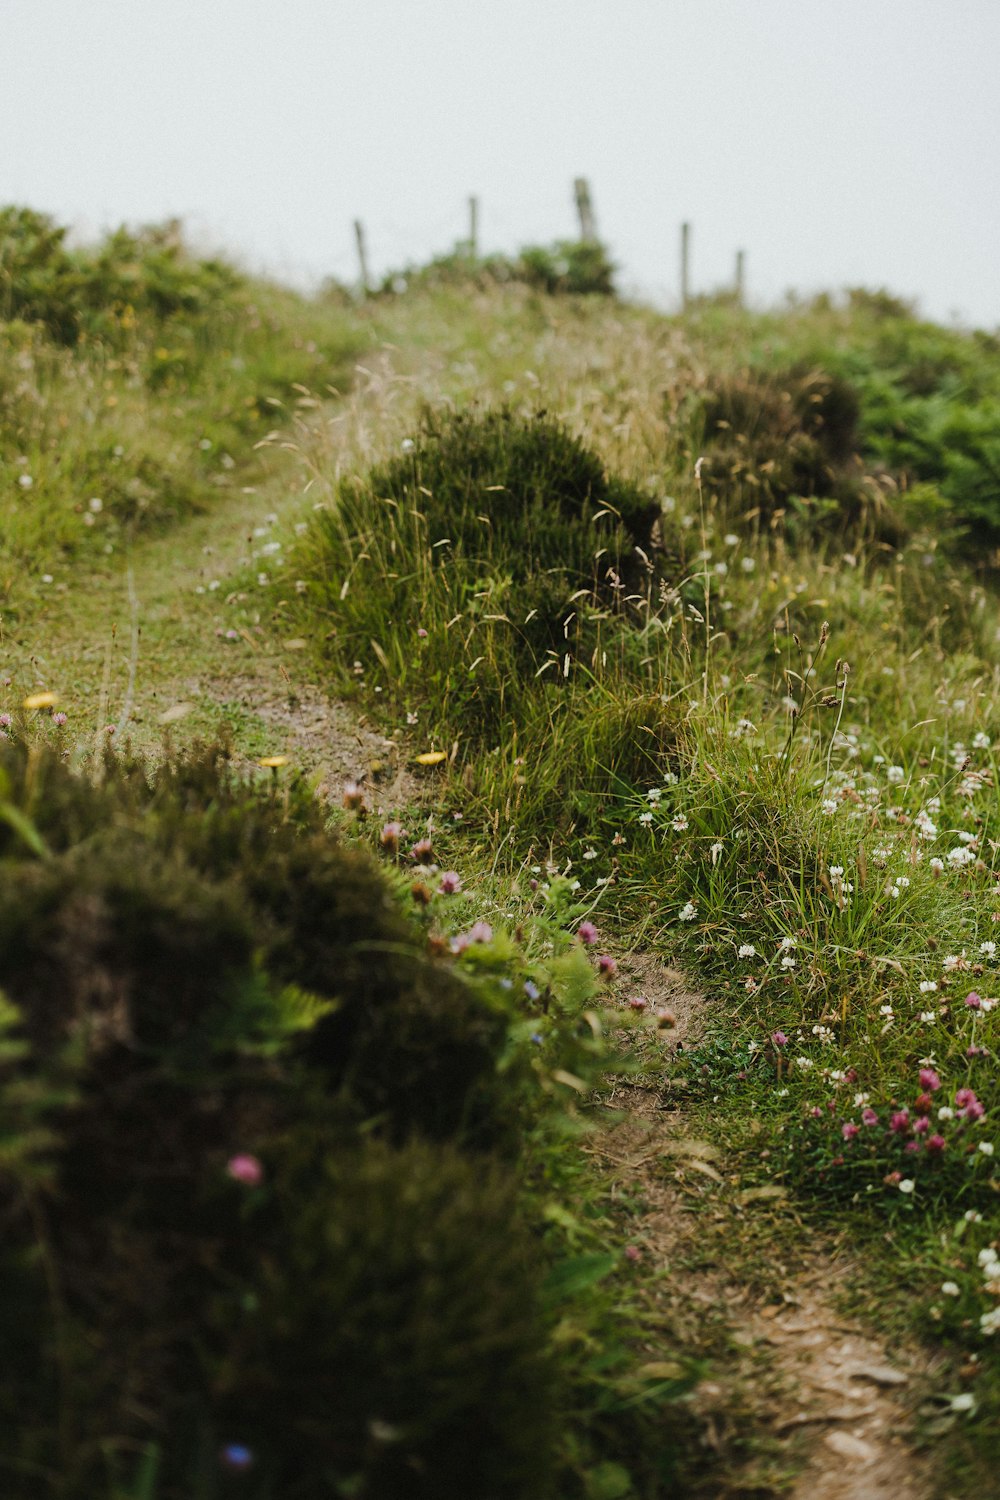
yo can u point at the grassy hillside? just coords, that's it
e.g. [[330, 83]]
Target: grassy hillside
[[693, 622]]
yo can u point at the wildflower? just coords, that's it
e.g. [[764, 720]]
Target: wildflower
[[747, 564], [788, 962], [980, 741], [829, 806], [990, 1321], [988, 950], [390, 836], [451, 883], [654, 794], [973, 1001], [531, 990], [950, 1289], [927, 1015], [927, 986], [907, 1185], [786, 943], [968, 1105], [946, 1112], [960, 856], [679, 823], [899, 1122], [929, 1079], [716, 852], [245, 1169], [59, 720], [895, 774], [747, 950], [645, 819], [688, 912], [236, 1456], [936, 866], [421, 634], [986, 1147], [923, 1104], [637, 1003], [633, 1253], [422, 851], [607, 966], [935, 1143], [353, 798], [869, 1117], [849, 1130], [779, 1039], [590, 853]]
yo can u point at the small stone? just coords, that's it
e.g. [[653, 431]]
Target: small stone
[[848, 1446], [879, 1375]]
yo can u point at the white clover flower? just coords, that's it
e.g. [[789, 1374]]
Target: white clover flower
[[646, 818], [951, 1289], [960, 856], [654, 794], [786, 943], [895, 774], [927, 1015], [688, 912], [747, 564], [716, 853], [679, 823], [986, 1147], [981, 741], [788, 962], [907, 1185], [747, 950], [988, 950], [804, 1063], [927, 986], [829, 806], [990, 1321]]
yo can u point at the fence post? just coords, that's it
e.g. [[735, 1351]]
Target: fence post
[[741, 264], [359, 235], [474, 227], [685, 264], [585, 209]]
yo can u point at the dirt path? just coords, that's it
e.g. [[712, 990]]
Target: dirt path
[[823, 1390]]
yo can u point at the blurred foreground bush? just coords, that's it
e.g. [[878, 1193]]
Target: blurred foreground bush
[[249, 1228]]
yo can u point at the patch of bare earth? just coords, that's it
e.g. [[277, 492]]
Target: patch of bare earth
[[326, 737], [829, 1401]]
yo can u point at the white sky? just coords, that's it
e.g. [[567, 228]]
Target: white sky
[[841, 142]]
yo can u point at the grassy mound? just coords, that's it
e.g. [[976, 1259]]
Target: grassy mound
[[223, 1043]]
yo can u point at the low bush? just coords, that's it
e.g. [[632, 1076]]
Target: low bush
[[222, 1043]]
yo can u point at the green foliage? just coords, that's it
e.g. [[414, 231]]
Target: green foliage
[[567, 268]]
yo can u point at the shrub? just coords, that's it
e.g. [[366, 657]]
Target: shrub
[[779, 445], [195, 971]]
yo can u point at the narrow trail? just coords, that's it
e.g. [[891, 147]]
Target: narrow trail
[[823, 1389], [827, 1391]]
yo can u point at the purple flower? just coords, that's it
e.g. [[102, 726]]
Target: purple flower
[[869, 1117], [899, 1123], [245, 1169], [422, 633], [973, 1001], [935, 1143], [531, 990], [390, 836], [929, 1079], [587, 933], [451, 883], [632, 1252], [607, 966], [59, 720], [921, 1126], [422, 851], [779, 1039], [849, 1130], [637, 1002], [236, 1456], [968, 1105]]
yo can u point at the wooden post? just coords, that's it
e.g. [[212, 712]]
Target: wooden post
[[359, 235], [474, 227], [741, 265], [585, 209], [685, 264]]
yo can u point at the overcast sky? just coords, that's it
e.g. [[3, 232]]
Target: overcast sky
[[840, 142]]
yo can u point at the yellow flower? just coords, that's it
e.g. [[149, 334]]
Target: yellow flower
[[41, 700], [272, 762], [432, 758]]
